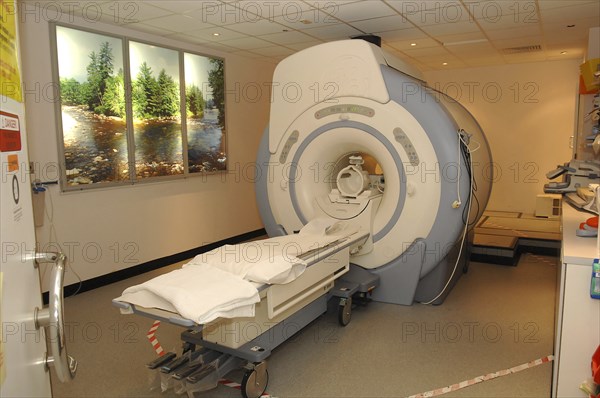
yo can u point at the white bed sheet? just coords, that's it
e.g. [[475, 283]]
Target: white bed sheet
[[223, 283]]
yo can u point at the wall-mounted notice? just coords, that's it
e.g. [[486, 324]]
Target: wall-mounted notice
[[10, 132], [10, 77]]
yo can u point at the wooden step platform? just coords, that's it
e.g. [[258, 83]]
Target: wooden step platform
[[501, 236]]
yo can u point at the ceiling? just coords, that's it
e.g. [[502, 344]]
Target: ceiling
[[429, 34]]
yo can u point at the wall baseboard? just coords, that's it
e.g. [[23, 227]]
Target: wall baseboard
[[117, 276]]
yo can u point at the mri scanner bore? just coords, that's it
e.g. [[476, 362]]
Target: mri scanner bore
[[368, 142]]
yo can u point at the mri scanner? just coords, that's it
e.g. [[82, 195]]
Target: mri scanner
[[356, 135], [392, 174]]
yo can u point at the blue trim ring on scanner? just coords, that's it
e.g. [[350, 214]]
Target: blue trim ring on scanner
[[378, 136]]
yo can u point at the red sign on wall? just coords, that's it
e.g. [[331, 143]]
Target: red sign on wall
[[10, 132]]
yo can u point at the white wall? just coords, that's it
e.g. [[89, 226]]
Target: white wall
[[105, 230], [528, 114]]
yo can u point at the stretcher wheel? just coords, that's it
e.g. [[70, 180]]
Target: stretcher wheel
[[345, 311], [255, 381]]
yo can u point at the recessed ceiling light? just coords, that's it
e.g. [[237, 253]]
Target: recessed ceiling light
[[413, 44], [445, 63], [216, 34], [563, 52]]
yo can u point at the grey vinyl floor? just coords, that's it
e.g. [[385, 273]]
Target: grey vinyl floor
[[496, 317]]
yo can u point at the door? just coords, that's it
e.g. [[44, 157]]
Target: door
[[23, 352]]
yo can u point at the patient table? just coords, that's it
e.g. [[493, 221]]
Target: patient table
[[214, 349]]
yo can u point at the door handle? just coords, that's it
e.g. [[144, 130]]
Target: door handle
[[52, 317]]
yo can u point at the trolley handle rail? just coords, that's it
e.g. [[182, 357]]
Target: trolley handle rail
[[52, 317]]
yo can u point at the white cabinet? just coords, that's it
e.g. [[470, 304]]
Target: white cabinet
[[578, 315]]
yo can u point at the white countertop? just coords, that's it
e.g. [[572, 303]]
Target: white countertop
[[576, 250]]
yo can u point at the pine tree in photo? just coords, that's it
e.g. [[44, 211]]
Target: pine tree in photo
[[194, 101], [144, 93], [113, 101], [166, 96], [99, 70], [216, 81]]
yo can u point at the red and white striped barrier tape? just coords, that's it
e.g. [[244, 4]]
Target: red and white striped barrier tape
[[238, 386], [153, 340], [480, 379]]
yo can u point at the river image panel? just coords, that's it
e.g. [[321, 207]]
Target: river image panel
[[158, 148], [95, 147], [206, 143]]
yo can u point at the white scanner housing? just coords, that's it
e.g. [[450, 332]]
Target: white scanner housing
[[352, 138]]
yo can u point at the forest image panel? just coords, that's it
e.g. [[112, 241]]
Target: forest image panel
[[156, 110], [205, 103], [92, 107]]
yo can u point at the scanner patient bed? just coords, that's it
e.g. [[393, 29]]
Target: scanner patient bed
[[259, 283]]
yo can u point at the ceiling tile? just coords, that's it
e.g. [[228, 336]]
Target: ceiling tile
[[493, 10], [116, 12], [208, 34], [415, 7], [557, 56], [178, 23], [252, 11], [274, 51], [333, 32], [403, 34], [525, 31], [292, 9], [427, 52], [285, 38], [382, 24], [450, 13], [438, 62], [247, 43], [460, 38], [507, 22], [154, 30], [221, 14], [550, 4], [472, 50], [314, 20], [302, 46], [571, 14], [407, 44], [220, 47], [262, 27], [484, 61], [177, 6], [451, 28], [186, 38], [247, 54], [557, 48], [582, 27], [561, 34], [361, 10]]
